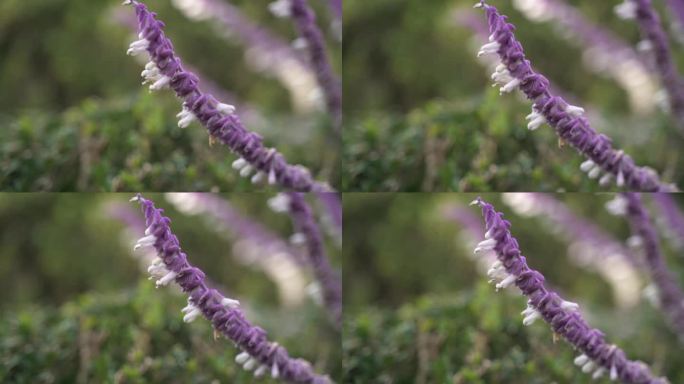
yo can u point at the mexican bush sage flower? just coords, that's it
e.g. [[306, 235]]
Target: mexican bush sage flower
[[308, 233], [516, 72], [671, 297], [171, 265], [657, 42], [304, 19], [596, 355], [165, 71]]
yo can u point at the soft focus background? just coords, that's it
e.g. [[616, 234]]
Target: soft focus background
[[420, 112], [76, 305], [418, 307], [74, 116]]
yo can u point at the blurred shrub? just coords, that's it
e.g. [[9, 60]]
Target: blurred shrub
[[138, 336], [478, 337], [134, 144], [483, 145]]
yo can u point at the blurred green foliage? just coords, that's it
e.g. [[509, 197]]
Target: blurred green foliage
[[420, 114], [417, 309], [76, 307], [75, 117], [138, 336]]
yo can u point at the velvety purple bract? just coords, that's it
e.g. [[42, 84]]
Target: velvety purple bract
[[226, 127], [563, 317], [228, 319], [572, 128]]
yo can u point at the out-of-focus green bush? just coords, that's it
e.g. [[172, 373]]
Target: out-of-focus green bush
[[138, 336], [478, 338]]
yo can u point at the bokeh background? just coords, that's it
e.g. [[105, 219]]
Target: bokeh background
[[420, 112], [418, 308], [76, 305], [75, 117]]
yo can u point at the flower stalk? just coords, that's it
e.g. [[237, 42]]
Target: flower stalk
[[171, 265], [597, 356], [515, 72], [165, 71]]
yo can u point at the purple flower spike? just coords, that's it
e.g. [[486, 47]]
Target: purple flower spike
[[597, 356], [671, 219], [515, 71], [307, 232], [165, 71], [656, 41], [671, 297], [171, 265], [305, 20]]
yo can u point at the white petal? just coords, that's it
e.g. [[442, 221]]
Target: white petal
[[588, 367], [587, 165], [226, 108], [239, 163], [536, 123], [280, 203], [186, 119], [258, 177], [489, 48], [162, 83], [271, 177], [275, 371], [192, 315], [260, 371], [530, 318], [230, 303], [574, 110], [298, 239], [569, 305], [606, 179], [626, 10], [242, 358], [617, 206], [613, 373], [166, 279], [620, 179], [510, 86], [581, 359], [281, 8], [250, 364], [485, 245], [506, 282], [246, 170], [599, 372], [594, 173]]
